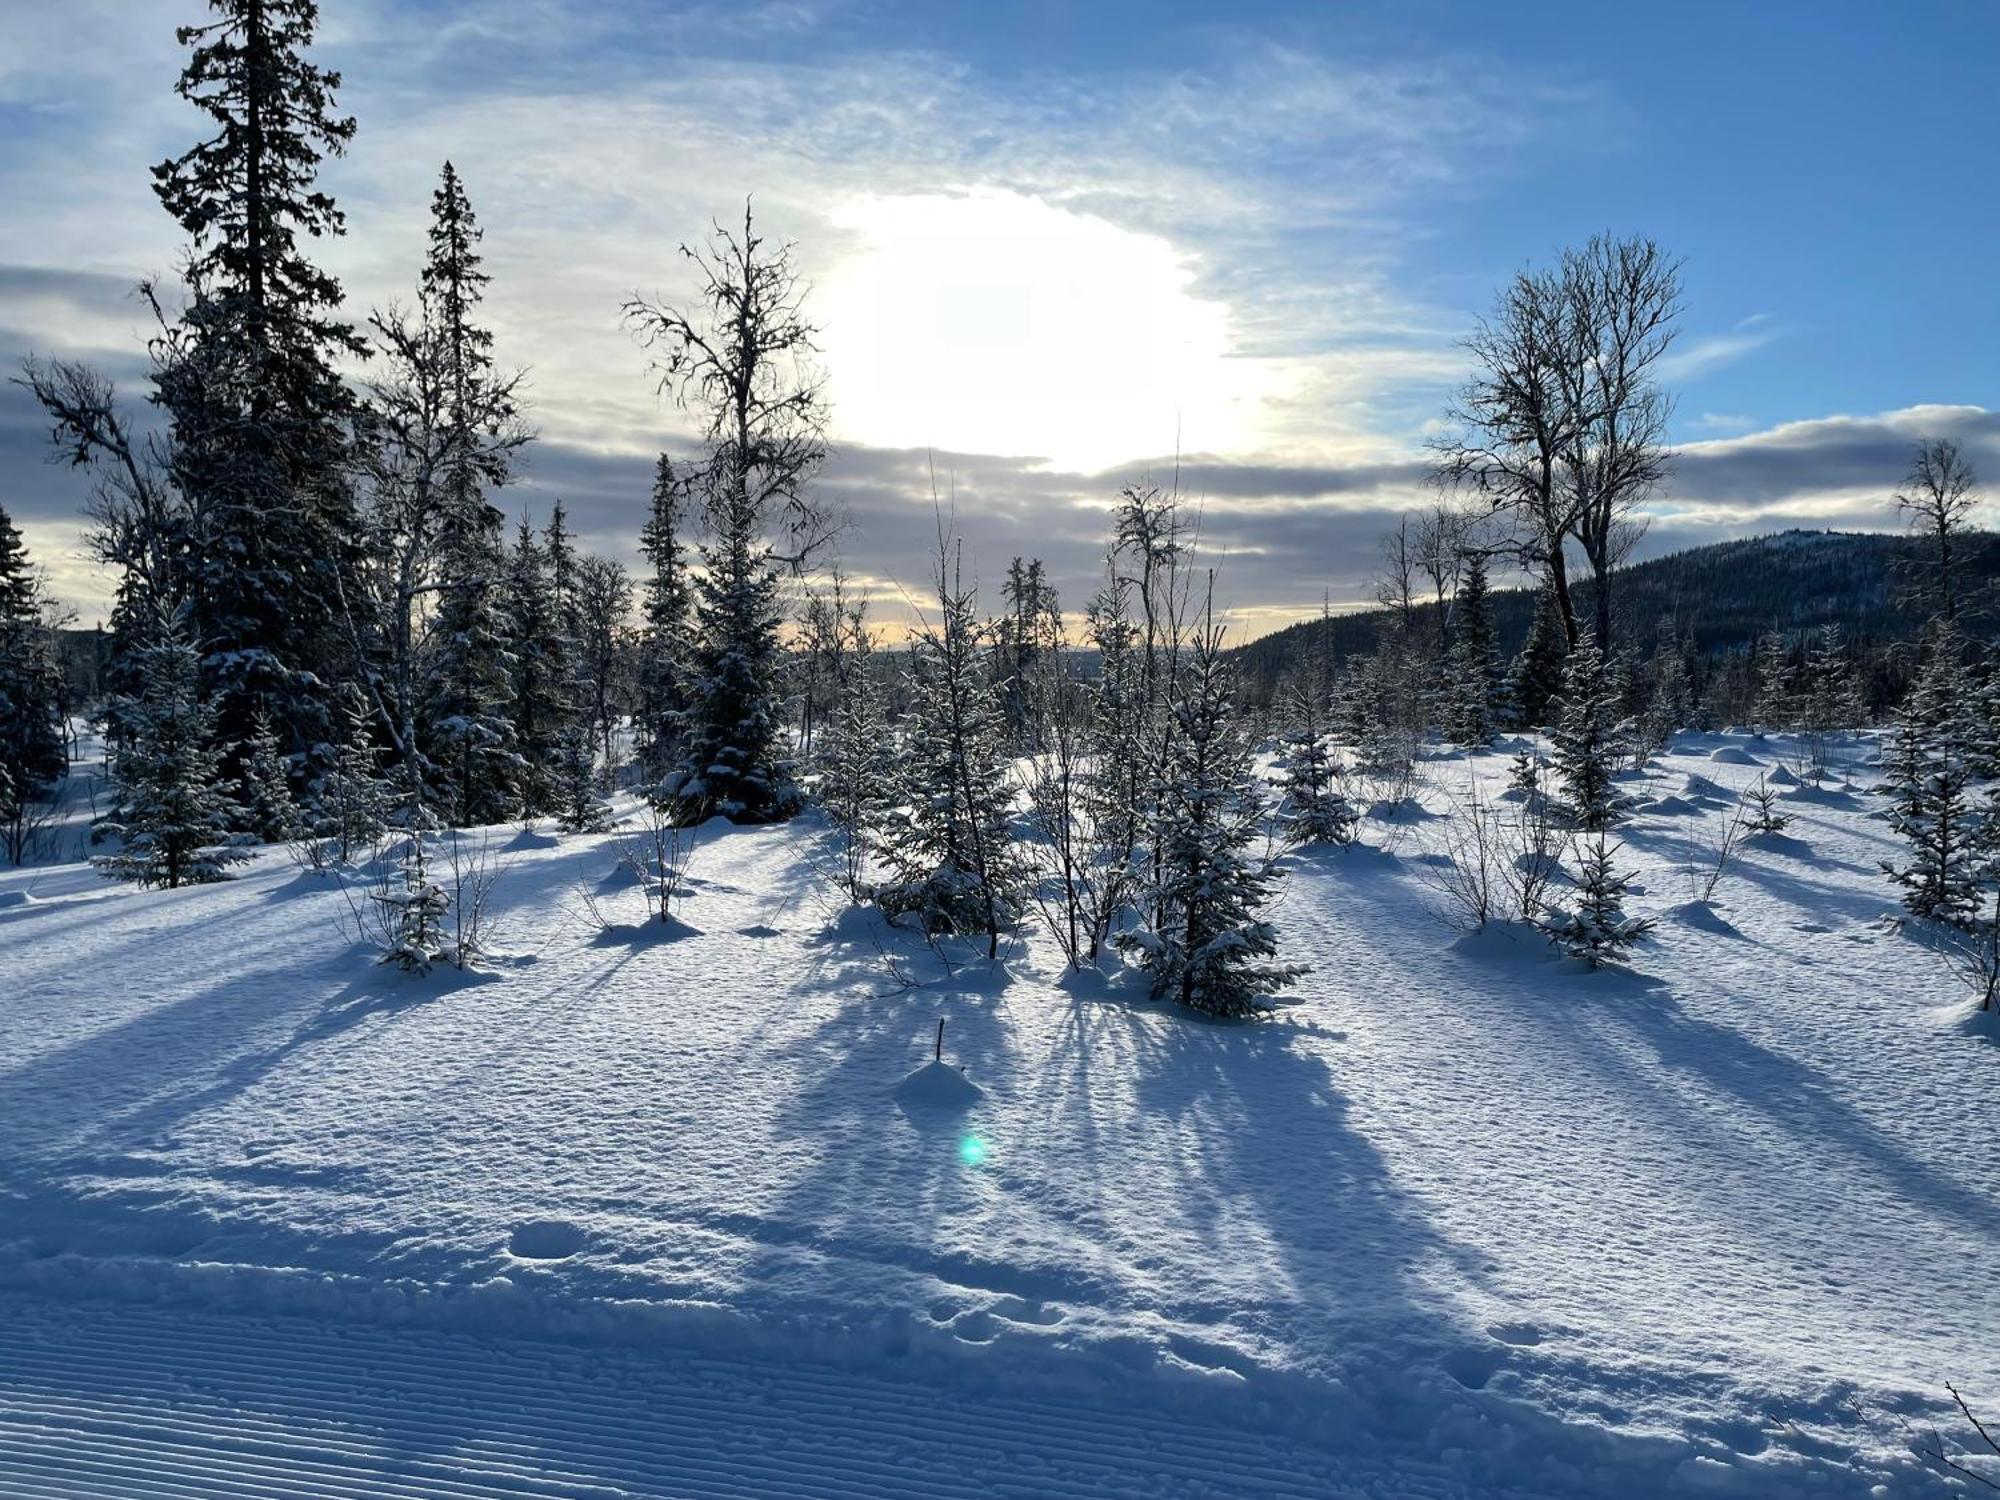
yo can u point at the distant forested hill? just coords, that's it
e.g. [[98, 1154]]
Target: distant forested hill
[[1723, 595]]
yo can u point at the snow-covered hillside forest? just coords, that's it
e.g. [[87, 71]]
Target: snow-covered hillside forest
[[482, 1022]]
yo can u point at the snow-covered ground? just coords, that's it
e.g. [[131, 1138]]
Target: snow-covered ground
[[635, 1214]]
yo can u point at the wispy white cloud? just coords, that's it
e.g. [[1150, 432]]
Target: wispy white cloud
[[1691, 358]]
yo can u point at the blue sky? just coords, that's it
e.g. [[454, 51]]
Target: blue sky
[[1052, 240]]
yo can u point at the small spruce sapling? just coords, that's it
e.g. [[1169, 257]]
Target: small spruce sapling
[[1595, 927], [1761, 801]]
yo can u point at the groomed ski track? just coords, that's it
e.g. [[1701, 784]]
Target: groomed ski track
[[136, 1403]]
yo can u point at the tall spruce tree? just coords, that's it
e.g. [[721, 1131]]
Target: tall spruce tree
[[1208, 944], [950, 851], [1928, 775], [733, 755], [1583, 741], [666, 605], [469, 730], [857, 756], [742, 358], [1536, 674], [1777, 684], [1473, 681], [260, 417], [32, 758], [538, 652], [171, 814]]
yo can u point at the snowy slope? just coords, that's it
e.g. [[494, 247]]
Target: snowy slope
[[1463, 1220]]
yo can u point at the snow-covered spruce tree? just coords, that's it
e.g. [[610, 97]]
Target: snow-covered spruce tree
[[949, 846], [1527, 773], [261, 420], [32, 757], [1117, 787], [1828, 701], [1208, 945], [411, 910], [467, 707], [1761, 810], [666, 604], [733, 753], [1670, 704], [352, 802], [742, 360], [1928, 777], [581, 805], [1584, 740], [270, 811], [1535, 677], [857, 757], [538, 652], [1832, 699], [1312, 809], [171, 814], [1029, 630], [1472, 686], [603, 655], [1777, 684], [1594, 926], [592, 597]]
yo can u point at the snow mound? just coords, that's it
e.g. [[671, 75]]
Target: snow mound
[[1703, 917], [1701, 786], [938, 1085], [1782, 777], [1733, 755], [1672, 807]]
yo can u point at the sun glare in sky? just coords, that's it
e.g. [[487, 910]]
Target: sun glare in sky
[[990, 322]]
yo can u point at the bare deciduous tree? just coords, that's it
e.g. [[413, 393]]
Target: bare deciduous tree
[[1939, 496], [743, 358], [1626, 295], [1519, 416]]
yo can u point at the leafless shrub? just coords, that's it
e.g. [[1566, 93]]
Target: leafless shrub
[[1710, 855], [1079, 877], [28, 825], [1982, 1449], [1532, 842], [1971, 951], [1469, 882], [657, 850], [471, 871]]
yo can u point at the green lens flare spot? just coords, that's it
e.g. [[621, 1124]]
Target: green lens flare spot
[[972, 1151]]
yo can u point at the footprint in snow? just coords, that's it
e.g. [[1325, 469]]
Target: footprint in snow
[[975, 1328], [545, 1239], [1022, 1310], [1473, 1368]]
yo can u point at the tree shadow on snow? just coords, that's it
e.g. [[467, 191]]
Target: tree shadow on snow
[[149, 1074]]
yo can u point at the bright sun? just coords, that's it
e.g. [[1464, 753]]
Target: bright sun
[[989, 322]]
